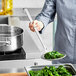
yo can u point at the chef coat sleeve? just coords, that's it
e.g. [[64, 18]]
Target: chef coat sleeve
[[48, 13]]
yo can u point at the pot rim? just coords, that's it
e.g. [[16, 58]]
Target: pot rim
[[13, 27]]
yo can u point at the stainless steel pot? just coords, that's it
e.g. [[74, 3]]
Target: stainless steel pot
[[11, 38]]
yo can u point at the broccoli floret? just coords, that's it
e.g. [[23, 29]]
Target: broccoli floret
[[63, 71], [55, 73], [31, 73], [48, 55], [53, 55], [51, 71], [52, 68]]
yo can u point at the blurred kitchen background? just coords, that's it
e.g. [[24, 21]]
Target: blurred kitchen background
[[31, 43]]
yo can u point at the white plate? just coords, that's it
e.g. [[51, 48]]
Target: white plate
[[42, 56]]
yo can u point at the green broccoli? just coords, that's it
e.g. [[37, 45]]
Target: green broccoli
[[63, 71], [51, 71], [53, 55]]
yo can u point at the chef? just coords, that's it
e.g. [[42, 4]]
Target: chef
[[65, 37]]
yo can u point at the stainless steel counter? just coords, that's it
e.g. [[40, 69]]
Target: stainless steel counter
[[15, 70], [15, 66], [12, 70]]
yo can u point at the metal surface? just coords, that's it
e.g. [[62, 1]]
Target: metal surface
[[11, 38], [53, 59], [69, 67]]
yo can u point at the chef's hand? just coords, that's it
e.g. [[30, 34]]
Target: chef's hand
[[37, 24]]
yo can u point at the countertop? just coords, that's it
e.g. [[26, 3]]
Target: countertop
[[16, 66]]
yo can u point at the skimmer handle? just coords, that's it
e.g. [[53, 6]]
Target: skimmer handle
[[37, 33]]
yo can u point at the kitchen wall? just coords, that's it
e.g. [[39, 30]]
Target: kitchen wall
[[28, 3]]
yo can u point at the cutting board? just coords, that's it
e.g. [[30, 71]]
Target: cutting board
[[14, 74]]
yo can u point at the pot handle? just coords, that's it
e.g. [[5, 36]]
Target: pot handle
[[5, 43]]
